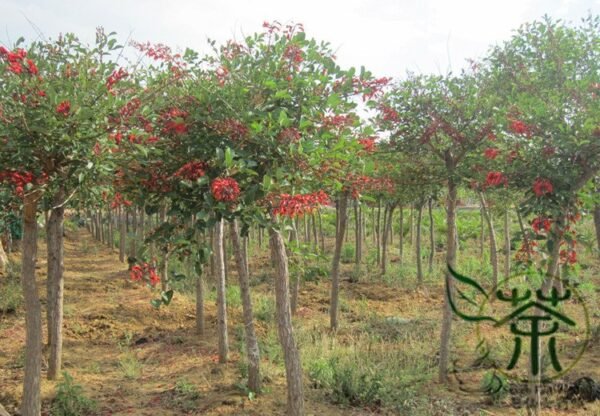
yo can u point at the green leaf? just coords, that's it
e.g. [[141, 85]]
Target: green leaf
[[156, 303], [228, 157], [167, 296]]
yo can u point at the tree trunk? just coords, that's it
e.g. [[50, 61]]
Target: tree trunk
[[111, 230], [431, 235], [293, 367], [418, 245], [493, 245], [335, 266], [164, 264], [3, 259], [412, 225], [314, 231], [401, 236], [200, 321], [31, 400], [321, 234], [122, 235], [451, 261], [597, 224], [481, 232], [55, 282], [357, 240], [251, 340], [386, 235], [221, 293], [378, 233], [295, 289], [134, 229], [506, 245]]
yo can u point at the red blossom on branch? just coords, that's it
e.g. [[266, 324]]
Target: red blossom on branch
[[495, 179], [542, 187], [64, 108], [299, 204], [191, 170], [225, 189], [289, 135], [519, 127], [491, 153], [540, 224], [368, 144]]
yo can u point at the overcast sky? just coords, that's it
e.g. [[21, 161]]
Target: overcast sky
[[388, 37]]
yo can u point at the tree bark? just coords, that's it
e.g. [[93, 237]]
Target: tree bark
[[3, 259], [357, 240], [122, 235], [493, 245], [200, 321], [597, 224], [321, 234], [252, 349], [451, 261], [55, 282], [31, 400], [221, 293], [401, 236], [378, 233], [386, 235], [335, 266], [431, 235], [418, 245], [164, 264], [506, 245], [293, 367], [481, 232]]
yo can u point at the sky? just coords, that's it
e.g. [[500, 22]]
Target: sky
[[388, 37]]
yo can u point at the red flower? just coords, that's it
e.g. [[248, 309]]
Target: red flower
[[368, 144], [294, 205], [289, 135], [568, 256], [495, 179], [33, 70], [64, 108], [136, 273], [191, 170], [541, 223], [3, 51], [15, 67], [491, 153], [225, 189], [154, 278], [389, 114], [519, 127], [542, 187]]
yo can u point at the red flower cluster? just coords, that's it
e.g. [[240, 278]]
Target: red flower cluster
[[495, 179], [357, 184], [519, 127], [21, 179], [526, 250], [119, 200], [64, 108], [338, 121], [138, 272], [300, 204], [542, 187], [232, 128], [294, 54], [389, 114], [191, 170], [289, 135], [174, 121], [225, 189], [17, 62], [115, 77], [491, 153], [222, 75], [374, 87], [568, 256], [540, 224], [368, 144], [158, 52], [130, 108]]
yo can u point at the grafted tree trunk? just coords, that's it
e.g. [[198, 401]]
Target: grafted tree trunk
[[418, 253], [431, 235], [221, 293], [244, 281], [597, 224], [335, 266], [55, 282], [493, 245], [451, 261], [31, 400], [293, 367]]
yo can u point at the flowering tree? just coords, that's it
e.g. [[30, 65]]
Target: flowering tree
[[443, 119], [54, 96]]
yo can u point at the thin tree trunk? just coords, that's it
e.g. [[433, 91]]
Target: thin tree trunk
[[418, 245], [451, 261], [412, 225], [164, 264], [378, 233], [293, 367], [221, 293], [321, 234], [386, 234], [357, 240], [401, 235], [431, 235], [314, 231], [295, 289], [493, 245], [597, 224], [55, 282], [111, 230], [31, 400], [506, 245], [251, 340], [122, 235], [102, 238], [3, 259], [134, 229], [481, 232], [335, 267], [200, 321]]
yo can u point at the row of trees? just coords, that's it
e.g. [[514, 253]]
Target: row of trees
[[261, 132]]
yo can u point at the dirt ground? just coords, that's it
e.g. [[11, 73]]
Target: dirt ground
[[130, 357]]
